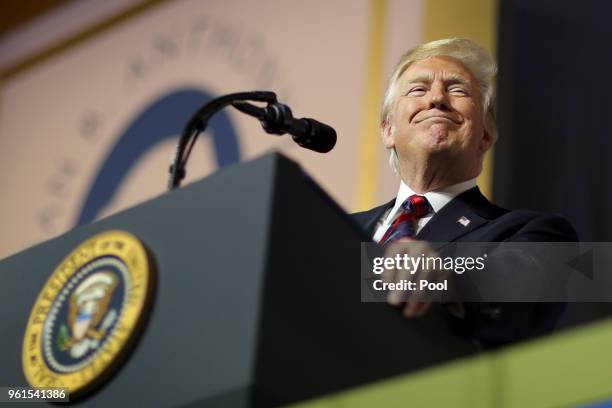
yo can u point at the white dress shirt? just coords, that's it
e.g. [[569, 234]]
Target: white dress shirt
[[437, 199]]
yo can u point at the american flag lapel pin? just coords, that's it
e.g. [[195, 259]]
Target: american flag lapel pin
[[464, 221]]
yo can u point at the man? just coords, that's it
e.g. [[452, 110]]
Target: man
[[438, 122]]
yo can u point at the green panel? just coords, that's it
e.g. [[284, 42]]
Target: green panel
[[569, 369]]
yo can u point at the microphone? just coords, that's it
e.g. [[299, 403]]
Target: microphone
[[277, 119]]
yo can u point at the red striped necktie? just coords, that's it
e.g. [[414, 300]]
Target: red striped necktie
[[413, 208]]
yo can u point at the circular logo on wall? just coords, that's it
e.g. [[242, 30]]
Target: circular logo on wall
[[88, 314]]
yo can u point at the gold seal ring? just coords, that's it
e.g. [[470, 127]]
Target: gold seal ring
[[88, 314]]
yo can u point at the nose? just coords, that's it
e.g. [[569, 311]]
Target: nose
[[438, 97]]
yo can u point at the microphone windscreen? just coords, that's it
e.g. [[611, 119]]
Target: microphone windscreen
[[322, 137]]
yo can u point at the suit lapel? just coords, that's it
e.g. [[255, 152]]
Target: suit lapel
[[459, 217], [374, 215]]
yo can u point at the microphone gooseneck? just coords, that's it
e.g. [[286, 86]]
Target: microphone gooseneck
[[276, 118]]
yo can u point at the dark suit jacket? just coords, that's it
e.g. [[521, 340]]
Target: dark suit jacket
[[491, 324]]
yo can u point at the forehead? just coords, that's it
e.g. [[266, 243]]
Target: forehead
[[434, 68]]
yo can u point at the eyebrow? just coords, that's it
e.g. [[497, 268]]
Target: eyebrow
[[449, 80]]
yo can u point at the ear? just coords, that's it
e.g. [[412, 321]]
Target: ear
[[386, 134], [486, 142]]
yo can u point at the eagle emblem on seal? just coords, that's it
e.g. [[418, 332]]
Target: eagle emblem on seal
[[89, 316]]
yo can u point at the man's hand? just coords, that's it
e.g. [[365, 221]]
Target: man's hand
[[412, 302]]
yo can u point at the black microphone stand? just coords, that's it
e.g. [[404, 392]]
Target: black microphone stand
[[275, 118], [197, 124]]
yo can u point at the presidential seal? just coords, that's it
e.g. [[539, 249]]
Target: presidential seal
[[88, 314]]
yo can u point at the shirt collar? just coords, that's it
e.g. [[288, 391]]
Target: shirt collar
[[437, 198]]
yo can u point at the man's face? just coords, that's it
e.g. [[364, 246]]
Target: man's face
[[438, 113]]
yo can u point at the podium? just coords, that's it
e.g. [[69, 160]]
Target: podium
[[256, 301]]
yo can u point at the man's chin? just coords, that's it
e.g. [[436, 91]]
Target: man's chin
[[438, 133], [436, 143]]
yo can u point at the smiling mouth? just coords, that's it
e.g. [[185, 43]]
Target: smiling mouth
[[439, 119]]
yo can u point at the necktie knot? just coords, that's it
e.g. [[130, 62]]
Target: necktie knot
[[417, 205], [414, 208]]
